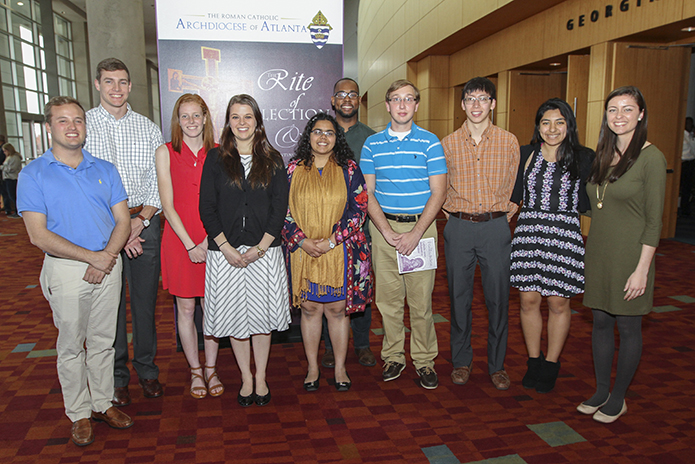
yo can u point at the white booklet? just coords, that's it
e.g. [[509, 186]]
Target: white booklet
[[423, 257]]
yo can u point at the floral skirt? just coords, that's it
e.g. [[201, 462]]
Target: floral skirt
[[548, 253]]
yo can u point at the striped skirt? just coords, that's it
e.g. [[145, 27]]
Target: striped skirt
[[240, 302], [548, 254]]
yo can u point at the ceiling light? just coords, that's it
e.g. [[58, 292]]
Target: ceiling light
[[555, 64], [688, 29]]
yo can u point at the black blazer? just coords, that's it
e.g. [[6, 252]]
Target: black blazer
[[243, 214], [586, 159]]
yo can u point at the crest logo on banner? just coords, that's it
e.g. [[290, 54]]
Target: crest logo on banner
[[320, 30]]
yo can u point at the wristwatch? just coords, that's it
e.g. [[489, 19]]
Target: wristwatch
[[331, 245], [145, 222]]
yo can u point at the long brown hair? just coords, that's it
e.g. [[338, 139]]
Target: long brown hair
[[177, 132], [607, 141], [11, 150], [266, 159]]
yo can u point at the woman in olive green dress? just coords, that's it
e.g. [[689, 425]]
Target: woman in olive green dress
[[626, 189]]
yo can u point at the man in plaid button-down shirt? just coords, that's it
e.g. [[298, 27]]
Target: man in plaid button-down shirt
[[128, 140], [483, 161]]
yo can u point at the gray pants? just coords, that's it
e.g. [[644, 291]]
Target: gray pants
[[142, 276], [488, 244]]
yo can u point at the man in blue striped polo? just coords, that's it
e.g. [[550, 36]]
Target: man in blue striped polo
[[405, 171]]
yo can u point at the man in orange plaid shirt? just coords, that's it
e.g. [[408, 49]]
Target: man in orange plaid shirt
[[483, 161]]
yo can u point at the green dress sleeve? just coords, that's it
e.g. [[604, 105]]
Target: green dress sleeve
[[654, 178]]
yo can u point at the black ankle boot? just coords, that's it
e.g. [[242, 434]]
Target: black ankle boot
[[533, 373], [549, 372]]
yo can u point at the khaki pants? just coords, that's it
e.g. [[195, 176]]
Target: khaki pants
[[85, 315], [392, 289]]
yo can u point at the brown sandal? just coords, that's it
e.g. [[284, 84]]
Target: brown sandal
[[197, 392], [215, 390]]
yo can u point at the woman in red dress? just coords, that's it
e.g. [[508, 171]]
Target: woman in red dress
[[184, 245]]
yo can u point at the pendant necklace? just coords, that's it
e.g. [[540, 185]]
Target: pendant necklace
[[600, 198]]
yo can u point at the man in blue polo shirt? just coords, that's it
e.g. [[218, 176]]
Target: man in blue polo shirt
[[405, 171], [75, 210]]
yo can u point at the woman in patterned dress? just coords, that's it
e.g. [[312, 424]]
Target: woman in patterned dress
[[328, 259], [243, 201], [547, 248], [185, 244]]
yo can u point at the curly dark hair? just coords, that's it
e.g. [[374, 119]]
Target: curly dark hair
[[341, 150]]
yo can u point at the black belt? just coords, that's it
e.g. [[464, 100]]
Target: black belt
[[482, 217], [402, 218]]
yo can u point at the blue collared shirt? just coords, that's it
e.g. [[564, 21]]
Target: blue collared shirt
[[76, 202], [403, 168]]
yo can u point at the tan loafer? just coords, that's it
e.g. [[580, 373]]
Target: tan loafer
[[82, 433], [460, 375], [500, 380], [114, 418]]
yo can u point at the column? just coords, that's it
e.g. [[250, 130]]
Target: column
[[116, 30]]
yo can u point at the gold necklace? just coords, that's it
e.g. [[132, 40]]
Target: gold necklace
[[600, 198]]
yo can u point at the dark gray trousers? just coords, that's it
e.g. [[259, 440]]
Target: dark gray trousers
[[142, 276], [465, 245]]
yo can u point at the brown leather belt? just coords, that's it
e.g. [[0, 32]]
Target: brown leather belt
[[482, 217], [402, 218], [136, 210]]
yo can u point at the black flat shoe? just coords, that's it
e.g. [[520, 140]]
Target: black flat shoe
[[343, 386], [263, 400], [247, 401], [312, 386]]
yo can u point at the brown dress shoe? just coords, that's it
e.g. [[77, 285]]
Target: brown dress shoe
[[114, 418], [460, 375], [151, 388], [328, 359], [365, 357], [121, 396], [501, 380], [82, 433]]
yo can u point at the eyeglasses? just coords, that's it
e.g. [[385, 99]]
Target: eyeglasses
[[319, 133], [483, 99], [343, 95], [406, 100]]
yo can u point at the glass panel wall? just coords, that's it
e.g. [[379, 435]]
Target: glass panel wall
[[22, 71]]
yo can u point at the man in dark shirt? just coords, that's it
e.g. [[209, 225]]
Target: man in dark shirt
[[346, 103]]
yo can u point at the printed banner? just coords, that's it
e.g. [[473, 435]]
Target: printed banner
[[287, 55]]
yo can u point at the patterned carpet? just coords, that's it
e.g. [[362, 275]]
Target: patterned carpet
[[394, 422]]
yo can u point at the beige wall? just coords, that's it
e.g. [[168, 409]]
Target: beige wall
[[440, 44], [394, 34]]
